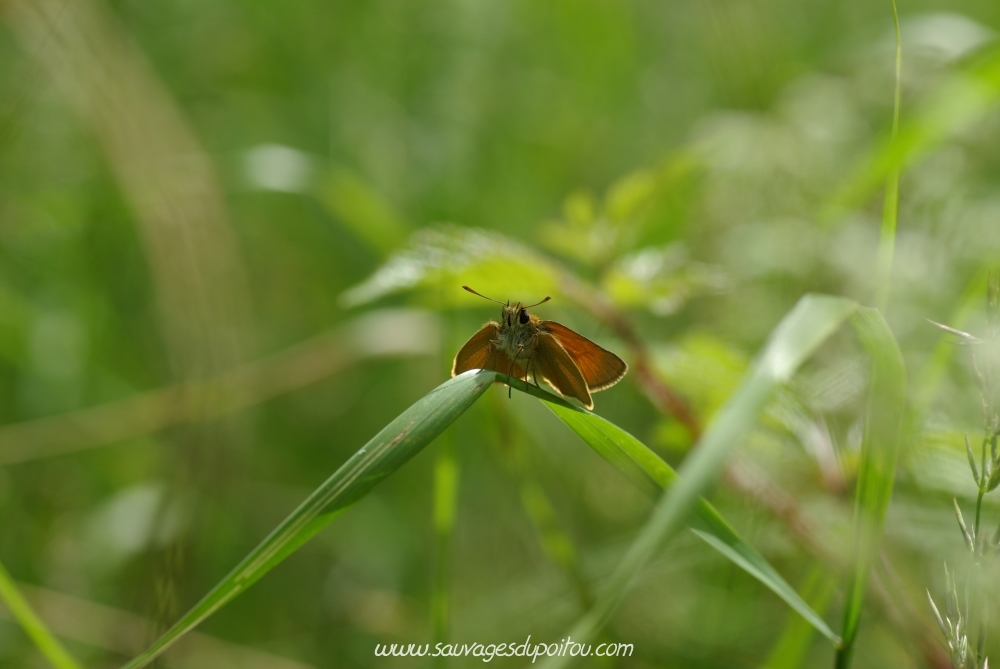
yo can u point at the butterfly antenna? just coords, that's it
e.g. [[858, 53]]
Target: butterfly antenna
[[547, 298], [483, 296]]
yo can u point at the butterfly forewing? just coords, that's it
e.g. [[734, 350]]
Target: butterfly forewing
[[476, 352], [479, 353], [600, 367], [554, 364]]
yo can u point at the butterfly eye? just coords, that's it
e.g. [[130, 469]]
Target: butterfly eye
[[523, 317]]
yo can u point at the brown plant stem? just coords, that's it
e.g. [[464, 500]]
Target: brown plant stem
[[661, 395]]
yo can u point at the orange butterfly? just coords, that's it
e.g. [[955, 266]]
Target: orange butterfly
[[523, 345]]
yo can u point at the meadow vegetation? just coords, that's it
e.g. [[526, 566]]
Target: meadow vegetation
[[233, 237]]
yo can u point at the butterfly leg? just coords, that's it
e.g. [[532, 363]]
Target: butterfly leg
[[510, 372], [513, 363], [534, 374]]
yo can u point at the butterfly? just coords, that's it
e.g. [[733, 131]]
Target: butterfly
[[522, 345]]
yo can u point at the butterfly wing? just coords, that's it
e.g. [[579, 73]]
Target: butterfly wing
[[600, 367], [476, 352], [551, 362]]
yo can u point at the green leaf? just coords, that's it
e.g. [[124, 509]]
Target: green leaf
[[399, 441], [449, 256], [33, 625], [661, 279], [880, 447], [363, 211], [632, 193], [803, 329]]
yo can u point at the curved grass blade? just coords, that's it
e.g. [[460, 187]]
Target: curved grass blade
[[33, 625], [803, 329], [879, 453], [645, 467], [650, 473], [399, 441]]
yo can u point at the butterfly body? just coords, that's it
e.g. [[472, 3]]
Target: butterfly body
[[516, 339], [524, 346]]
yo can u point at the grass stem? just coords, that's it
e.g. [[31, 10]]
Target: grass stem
[[890, 205]]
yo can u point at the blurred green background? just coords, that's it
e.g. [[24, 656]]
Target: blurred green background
[[278, 203]]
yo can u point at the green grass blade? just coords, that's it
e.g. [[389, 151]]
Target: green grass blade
[[640, 464], [802, 330], [399, 441], [33, 625], [890, 205], [790, 650], [879, 454]]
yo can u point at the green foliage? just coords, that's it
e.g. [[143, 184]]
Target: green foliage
[[232, 242], [415, 428]]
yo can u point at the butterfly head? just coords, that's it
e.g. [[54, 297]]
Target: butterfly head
[[512, 315]]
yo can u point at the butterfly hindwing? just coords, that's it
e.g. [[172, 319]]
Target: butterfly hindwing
[[552, 363], [600, 367]]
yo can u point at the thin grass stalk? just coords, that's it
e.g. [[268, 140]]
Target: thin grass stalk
[[33, 625], [880, 448], [890, 205]]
